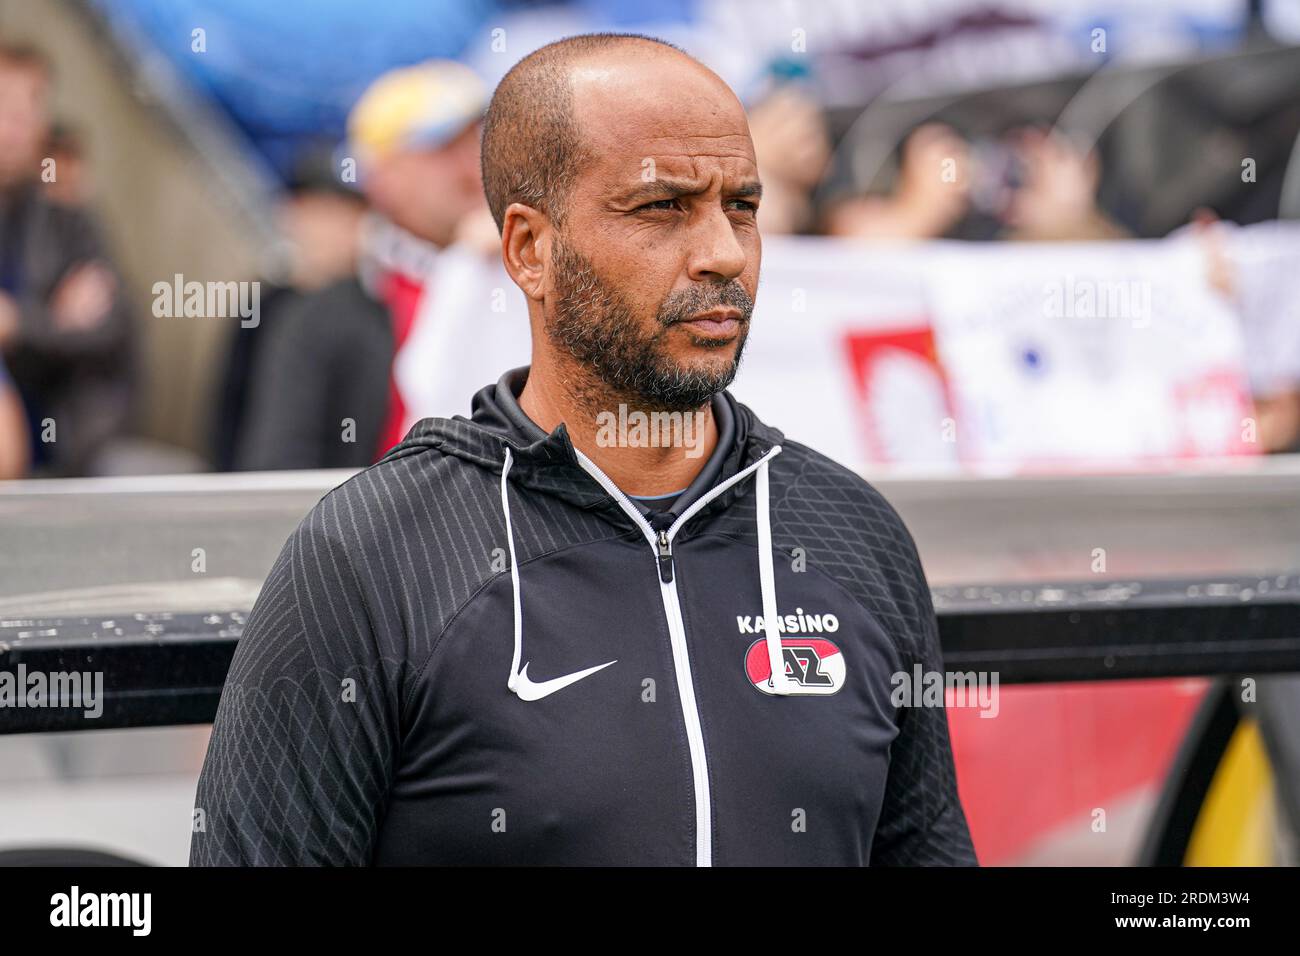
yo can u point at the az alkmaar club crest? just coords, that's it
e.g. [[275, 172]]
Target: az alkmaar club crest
[[813, 665]]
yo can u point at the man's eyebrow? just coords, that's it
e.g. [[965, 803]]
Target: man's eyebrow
[[659, 189], [672, 188]]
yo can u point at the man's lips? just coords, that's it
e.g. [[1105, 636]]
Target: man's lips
[[714, 323]]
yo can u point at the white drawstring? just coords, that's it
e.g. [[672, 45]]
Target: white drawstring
[[514, 571], [767, 584]]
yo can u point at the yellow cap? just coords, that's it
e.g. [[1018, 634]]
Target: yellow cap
[[421, 106]]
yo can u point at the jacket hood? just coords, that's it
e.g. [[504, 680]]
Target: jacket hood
[[548, 463]]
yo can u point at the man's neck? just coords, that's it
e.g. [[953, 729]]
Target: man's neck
[[591, 414]]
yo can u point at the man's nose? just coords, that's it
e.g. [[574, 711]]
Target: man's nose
[[716, 254]]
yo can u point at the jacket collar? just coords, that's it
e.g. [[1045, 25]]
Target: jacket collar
[[547, 463]]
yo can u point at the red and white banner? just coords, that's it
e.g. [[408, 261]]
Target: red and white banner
[[938, 355]]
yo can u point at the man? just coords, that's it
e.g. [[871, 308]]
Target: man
[[321, 394], [65, 330], [523, 639], [321, 353]]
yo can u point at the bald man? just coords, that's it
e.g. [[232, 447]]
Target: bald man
[[611, 617]]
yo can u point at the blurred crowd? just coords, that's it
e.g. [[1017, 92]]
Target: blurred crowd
[[67, 364], [365, 221]]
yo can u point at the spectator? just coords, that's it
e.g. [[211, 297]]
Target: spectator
[[1257, 271], [414, 135], [1058, 199], [1030, 184], [320, 219], [65, 333], [793, 148], [321, 393], [930, 197]]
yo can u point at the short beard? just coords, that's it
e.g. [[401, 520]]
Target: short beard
[[594, 324]]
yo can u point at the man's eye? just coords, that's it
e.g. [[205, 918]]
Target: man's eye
[[664, 205], [744, 205]]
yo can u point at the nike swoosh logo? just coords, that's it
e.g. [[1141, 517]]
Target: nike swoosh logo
[[525, 689]]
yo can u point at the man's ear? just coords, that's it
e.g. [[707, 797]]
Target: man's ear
[[525, 248]]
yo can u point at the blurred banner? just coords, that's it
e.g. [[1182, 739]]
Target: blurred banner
[[1023, 357], [1090, 354]]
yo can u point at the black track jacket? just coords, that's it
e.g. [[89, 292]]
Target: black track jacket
[[479, 651]]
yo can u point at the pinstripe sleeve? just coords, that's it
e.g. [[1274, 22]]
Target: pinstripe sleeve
[[921, 820], [305, 737]]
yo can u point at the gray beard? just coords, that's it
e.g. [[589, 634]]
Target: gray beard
[[595, 326]]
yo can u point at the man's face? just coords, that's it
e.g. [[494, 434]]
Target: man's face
[[655, 268], [23, 121], [428, 191]]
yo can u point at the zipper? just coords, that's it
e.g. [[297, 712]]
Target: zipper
[[665, 558], [661, 543]]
